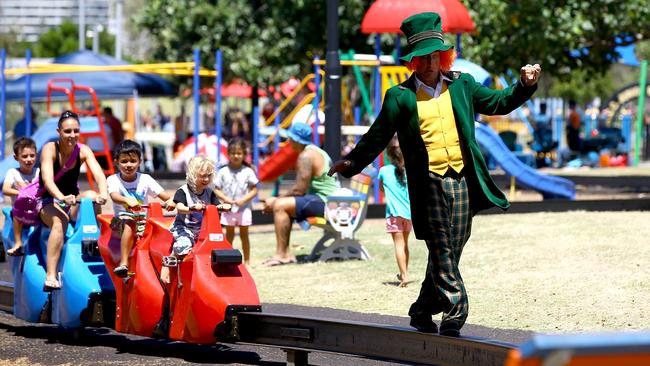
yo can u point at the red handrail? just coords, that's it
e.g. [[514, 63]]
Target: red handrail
[[69, 92]]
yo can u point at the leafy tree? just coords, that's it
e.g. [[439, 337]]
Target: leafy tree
[[643, 50], [563, 36], [13, 47], [263, 43], [65, 39]]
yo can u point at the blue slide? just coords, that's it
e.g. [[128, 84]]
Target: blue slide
[[550, 186], [46, 133]]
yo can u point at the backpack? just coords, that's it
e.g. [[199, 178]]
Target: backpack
[[28, 203]]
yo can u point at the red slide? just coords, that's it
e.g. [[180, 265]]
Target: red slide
[[278, 163]]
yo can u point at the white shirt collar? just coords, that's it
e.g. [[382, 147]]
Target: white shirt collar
[[434, 92]]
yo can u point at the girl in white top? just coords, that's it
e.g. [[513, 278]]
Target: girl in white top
[[236, 184], [129, 191], [25, 155]]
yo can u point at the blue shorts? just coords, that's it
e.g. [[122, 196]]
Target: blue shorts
[[309, 205]]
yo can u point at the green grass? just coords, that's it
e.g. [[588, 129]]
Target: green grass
[[544, 272]]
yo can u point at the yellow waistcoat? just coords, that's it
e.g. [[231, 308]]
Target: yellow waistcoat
[[438, 130]]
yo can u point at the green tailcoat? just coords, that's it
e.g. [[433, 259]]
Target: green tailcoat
[[399, 114]]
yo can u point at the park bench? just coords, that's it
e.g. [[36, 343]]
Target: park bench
[[344, 213]]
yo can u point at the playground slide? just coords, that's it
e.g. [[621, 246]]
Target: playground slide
[[46, 133], [278, 163], [549, 186]]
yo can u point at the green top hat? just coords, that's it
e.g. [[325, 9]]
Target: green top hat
[[424, 35]]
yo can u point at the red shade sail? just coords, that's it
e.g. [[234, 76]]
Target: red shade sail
[[386, 16]]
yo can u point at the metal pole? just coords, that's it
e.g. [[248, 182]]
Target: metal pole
[[28, 96], [459, 50], [375, 164], [82, 25], [118, 31], [315, 103], [377, 75], [217, 97], [333, 83], [626, 126], [96, 29], [357, 122], [640, 111], [256, 150], [197, 98], [3, 102]]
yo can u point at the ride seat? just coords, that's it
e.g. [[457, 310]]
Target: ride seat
[[344, 213]]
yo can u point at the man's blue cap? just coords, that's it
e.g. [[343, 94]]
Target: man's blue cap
[[300, 133]]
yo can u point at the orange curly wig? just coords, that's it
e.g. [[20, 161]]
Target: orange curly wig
[[446, 60]]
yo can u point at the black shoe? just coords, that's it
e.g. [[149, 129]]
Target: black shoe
[[450, 328], [121, 271], [423, 323]]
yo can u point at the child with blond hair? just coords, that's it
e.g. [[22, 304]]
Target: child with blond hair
[[191, 199]]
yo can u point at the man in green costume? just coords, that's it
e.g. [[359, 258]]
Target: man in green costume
[[433, 115]]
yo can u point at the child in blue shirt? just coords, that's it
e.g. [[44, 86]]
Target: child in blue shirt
[[398, 208]]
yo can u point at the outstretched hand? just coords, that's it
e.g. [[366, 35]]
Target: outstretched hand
[[339, 167], [530, 74]]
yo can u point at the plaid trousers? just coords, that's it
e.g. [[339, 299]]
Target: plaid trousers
[[443, 289]]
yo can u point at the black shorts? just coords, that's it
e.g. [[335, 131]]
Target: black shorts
[[309, 205]]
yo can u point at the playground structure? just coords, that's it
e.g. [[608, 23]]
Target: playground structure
[[193, 69], [71, 93]]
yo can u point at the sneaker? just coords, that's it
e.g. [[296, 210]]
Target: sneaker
[[450, 328], [423, 323]]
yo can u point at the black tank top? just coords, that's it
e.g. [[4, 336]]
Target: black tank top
[[68, 183]]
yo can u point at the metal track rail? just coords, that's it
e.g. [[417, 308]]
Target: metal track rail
[[301, 335]]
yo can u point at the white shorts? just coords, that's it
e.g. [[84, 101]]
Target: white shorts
[[240, 218]]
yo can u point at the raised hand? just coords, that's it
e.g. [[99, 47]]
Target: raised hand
[[530, 74]]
